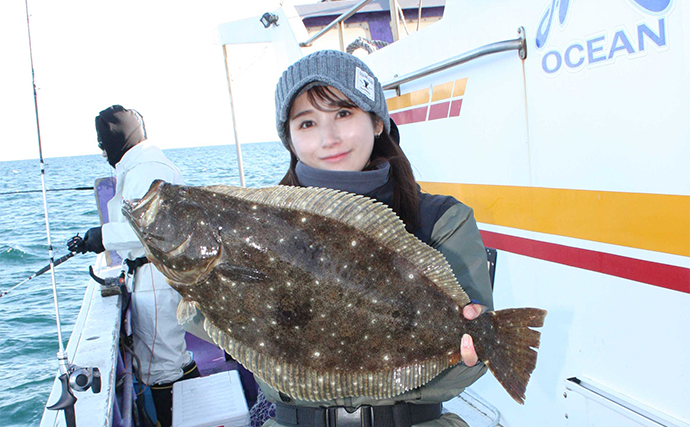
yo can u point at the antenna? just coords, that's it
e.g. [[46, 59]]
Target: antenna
[[71, 376]]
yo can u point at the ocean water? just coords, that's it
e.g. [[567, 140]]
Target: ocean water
[[28, 331]]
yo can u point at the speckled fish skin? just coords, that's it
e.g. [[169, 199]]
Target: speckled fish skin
[[313, 305]]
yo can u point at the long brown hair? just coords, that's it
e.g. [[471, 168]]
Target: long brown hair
[[405, 200]]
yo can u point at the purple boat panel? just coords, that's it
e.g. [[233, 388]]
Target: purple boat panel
[[105, 190]]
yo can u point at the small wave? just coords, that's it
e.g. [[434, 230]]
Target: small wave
[[12, 253], [26, 398], [30, 255]]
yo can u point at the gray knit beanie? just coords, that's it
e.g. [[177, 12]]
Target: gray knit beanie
[[343, 71]]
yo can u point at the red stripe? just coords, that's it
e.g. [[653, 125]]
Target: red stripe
[[653, 273], [410, 116], [438, 111], [455, 108]]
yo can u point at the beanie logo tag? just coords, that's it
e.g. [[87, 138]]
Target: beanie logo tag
[[365, 84]]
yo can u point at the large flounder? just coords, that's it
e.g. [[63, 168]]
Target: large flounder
[[322, 294]]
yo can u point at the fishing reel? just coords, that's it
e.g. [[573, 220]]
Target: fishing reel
[[81, 379], [75, 244], [78, 379]]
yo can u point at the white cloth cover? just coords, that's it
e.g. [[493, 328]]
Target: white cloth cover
[[158, 339]]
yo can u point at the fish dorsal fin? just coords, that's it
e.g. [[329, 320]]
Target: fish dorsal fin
[[373, 218]]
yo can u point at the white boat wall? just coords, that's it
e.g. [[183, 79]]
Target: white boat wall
[[575, 161], [94, 343]]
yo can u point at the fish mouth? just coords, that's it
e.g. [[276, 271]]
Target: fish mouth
[[129, 210], [140, 212], [128, 207]]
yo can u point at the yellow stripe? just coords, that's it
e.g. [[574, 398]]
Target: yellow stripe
[[442, 91], [655, 222], [409, 99]]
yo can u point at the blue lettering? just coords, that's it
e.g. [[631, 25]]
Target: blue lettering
[[594, 50], [621, 37], [660, 39], [653, 5], [544, 27], [559, 61], [591, 50], [543, 33], [563, 11], [567, 56]]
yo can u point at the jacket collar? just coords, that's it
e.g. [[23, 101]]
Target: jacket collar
[[141, 152]]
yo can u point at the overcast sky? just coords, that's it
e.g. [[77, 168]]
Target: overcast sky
[[155, 56]]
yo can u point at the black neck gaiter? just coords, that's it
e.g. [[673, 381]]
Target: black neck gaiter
[[372, 183], [118, 130]]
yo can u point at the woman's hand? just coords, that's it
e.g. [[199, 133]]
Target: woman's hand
[[467, 352]]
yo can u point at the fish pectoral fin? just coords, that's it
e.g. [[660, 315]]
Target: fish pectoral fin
[[239, 274], [186, 310]]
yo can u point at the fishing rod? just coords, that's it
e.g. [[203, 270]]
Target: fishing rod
[[39, 272], [71, 376], [7, 193]]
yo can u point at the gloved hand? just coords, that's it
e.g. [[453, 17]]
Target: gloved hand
[[92, 242]]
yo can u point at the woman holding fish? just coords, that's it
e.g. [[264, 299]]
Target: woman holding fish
[[331, 114], [343, 310]]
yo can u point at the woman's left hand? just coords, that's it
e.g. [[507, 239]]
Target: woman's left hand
[[467, 352]]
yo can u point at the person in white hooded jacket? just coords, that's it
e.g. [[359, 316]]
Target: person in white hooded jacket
[[158, 340]]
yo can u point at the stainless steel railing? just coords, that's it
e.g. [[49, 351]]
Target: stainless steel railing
[[518, 44], [337, 21]]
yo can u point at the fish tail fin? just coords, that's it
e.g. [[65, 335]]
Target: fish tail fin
[[506, 344], [186, 310]]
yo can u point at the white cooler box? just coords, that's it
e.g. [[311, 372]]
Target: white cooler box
[[212, 401]]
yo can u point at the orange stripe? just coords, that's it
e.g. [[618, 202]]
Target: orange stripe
[[417, 97], [442, 91], [655, 222], [439, 92], [460, 87]]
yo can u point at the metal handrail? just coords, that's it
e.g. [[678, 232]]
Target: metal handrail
[[337, 21], [518, 44]]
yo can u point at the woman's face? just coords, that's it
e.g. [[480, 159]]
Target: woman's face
[[339, 138]]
